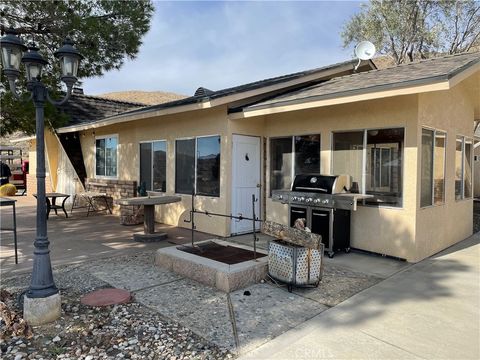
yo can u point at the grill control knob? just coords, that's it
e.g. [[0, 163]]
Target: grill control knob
[[294, 198], [316, 201], [325, 201], [308, 200], [302, 199]]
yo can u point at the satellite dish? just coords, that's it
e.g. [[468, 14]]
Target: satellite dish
[[364, 50]]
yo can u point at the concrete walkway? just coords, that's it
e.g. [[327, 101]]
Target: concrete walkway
[[428, 311]]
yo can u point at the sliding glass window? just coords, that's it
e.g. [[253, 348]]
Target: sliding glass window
[[153, 165], [184, 166], [467, 173], [106, 156], [291, 156], [348, 156], [433, 167], [463, 167], [374, 159], [208, 166], [197, 166]]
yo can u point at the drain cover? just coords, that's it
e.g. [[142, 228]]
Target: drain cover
[[106, 297]]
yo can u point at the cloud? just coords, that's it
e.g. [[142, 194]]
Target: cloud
[[223, 44]]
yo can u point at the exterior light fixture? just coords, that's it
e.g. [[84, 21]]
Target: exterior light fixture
[[34, 63], [69, 60], [42, 301], [12, 49]]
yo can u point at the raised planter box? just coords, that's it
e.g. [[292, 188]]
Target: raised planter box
[[213, 273]]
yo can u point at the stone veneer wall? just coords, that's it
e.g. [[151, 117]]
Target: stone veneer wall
[[115, 189]]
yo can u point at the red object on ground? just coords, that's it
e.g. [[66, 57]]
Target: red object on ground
[[106, 297]]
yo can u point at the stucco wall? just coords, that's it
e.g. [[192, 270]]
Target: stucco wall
[[388, 231], [452, 111], [169, 128], [407, 232]]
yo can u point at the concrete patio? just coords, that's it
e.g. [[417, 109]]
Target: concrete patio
[[76, 239], [101, 250]]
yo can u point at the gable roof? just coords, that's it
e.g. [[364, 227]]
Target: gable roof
[[206, 98], [432, 71], [84, 108]]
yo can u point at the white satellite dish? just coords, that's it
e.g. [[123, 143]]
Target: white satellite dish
[[364, 50]]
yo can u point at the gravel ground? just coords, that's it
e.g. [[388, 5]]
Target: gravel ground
[[129, 331]]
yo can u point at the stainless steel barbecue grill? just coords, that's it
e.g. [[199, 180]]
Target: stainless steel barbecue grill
[[325, 202]]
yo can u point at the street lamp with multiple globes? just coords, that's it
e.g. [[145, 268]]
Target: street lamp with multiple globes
[[42, 301]]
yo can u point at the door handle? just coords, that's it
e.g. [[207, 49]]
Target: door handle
[[323, 215], [298, 212]]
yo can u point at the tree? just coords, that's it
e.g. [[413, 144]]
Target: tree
[[106, 32], [407, 30]]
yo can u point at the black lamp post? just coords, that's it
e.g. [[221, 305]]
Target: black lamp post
[[42, 301]]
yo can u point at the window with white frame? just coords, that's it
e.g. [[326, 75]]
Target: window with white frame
[[432, 191], [197, 166], [291, 156], [153, 165], [463, 168], [106, 156], [373, 158]]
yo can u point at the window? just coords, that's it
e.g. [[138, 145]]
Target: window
[[106, 156], [433, 167], [463, 168], [197, 165], [374, 160], [208, 166], [348, 156], [291, 156], [153, 165]]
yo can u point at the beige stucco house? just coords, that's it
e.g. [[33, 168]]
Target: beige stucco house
[[404, 134]]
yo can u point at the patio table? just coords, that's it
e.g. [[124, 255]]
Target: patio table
[[11, 202], [51, 204], [149, 202]]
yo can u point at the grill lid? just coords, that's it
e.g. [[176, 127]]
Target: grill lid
[[325, 184]]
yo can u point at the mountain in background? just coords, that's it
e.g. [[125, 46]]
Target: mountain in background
[[144, 97]]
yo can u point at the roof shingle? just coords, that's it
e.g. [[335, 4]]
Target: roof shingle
[[425, 71], [85, 109]]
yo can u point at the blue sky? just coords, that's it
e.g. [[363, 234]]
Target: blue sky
[[221, 44]]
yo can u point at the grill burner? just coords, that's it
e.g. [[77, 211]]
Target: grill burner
[[319, 190]]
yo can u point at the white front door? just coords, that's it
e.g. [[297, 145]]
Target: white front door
[[245, 181]]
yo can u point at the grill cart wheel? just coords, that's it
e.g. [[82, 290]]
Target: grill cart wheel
[[347, 250], [331, 254]]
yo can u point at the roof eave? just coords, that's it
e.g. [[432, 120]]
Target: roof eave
[[126, 117], [437, 83], [206, 102], [341, 98]]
